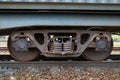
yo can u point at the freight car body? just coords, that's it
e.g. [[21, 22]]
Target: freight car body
[[59, 29]]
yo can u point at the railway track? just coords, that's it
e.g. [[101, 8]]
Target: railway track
[[84, 64]]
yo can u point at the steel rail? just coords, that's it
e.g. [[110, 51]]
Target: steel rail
[[66, 1], [85, 64]]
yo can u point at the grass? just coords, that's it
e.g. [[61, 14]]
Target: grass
[[116, 37]]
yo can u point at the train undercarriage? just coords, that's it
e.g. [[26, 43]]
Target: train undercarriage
[[59, 30], [28, 45]]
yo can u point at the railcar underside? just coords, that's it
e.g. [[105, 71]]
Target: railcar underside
[[27, 45], [59, 29]]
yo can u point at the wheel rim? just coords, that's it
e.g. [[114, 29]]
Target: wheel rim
[[91, 54], [29, 55]]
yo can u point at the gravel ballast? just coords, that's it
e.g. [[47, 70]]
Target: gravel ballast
[[60, 72]]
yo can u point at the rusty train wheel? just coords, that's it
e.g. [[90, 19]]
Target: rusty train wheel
[[91, 54], [29, 55]]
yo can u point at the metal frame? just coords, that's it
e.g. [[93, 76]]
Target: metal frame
[[59, 6], [39, 19], [43, 48]]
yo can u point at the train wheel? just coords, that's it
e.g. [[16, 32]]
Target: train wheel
[[93, 55], [29, 55]]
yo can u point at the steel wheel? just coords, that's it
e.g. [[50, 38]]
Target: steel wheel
[[32, 54], [91, 54]]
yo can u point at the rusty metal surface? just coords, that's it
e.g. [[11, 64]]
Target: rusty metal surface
[[91, 54], [23, 56], [44, 49]]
